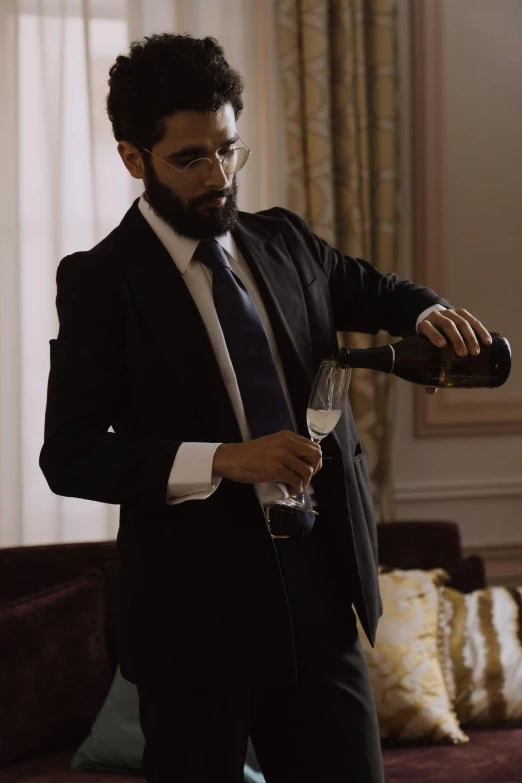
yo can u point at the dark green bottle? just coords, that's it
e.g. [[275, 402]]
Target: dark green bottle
[[417, 360]]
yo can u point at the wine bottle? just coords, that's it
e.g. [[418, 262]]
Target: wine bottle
[[417, 360]]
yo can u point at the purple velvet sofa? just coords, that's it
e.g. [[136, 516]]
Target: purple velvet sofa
[[55, 694]]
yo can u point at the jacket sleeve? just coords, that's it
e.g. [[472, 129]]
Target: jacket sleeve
[[86, 391], [363, 298]]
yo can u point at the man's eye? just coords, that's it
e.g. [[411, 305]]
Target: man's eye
[[185, 162]]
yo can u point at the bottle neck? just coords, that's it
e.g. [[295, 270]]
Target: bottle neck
[[382, 358]]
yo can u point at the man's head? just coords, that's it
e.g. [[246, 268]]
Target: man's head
[[172, 100]]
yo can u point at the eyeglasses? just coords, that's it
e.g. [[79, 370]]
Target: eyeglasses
[[197, 171]]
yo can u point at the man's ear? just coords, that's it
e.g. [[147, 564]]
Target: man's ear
[[132, 159]]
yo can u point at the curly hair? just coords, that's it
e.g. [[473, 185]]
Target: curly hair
[[164, 74]]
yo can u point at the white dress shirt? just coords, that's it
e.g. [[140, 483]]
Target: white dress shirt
[[191, 475]]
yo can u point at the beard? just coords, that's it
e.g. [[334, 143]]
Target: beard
[[188, 220]]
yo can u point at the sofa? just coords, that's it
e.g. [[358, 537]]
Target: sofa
[[491, 756]]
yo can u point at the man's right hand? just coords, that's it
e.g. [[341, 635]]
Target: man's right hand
[[283, 456]]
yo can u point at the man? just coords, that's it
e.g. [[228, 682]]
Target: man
[[196, 331]]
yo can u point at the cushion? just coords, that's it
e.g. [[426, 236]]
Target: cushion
[[482, 654], [116, 742], [54, 670], [405, 671]]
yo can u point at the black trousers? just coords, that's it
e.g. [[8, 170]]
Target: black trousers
[[320, 730]]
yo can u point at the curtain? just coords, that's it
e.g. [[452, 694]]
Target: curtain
[[338, 66], [64, 188], [10, 473]]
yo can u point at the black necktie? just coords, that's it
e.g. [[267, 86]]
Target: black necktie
[[247, 342]]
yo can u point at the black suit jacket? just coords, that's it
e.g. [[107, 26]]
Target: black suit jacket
[[201, 596]]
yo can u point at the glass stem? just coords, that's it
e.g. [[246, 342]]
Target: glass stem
[[301, 497]]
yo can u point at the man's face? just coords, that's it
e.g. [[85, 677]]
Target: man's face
[[187, 207]]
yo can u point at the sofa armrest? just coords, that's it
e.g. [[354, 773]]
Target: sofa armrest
[[430, 544], [54, 667], [468, 575]]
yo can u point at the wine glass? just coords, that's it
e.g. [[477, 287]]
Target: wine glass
[[325, 406]]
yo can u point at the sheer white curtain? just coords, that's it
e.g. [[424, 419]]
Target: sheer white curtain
[[64, 188]]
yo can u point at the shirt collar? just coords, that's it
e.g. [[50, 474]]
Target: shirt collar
[[181, 249]]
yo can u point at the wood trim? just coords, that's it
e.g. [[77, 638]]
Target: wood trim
[[460, 412], [450, 413], [442, 491]]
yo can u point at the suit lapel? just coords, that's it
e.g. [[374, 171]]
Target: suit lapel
[[169, 315], [282, 292]]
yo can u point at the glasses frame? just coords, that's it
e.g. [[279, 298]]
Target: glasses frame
[[211, 162]]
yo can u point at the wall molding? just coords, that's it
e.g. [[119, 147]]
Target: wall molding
[[470, 489], [461, 412]]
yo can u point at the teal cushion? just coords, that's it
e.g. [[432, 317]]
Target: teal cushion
[[116, 742]]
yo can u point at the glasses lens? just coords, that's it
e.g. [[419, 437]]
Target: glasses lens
[[197, 171], [235, 160]]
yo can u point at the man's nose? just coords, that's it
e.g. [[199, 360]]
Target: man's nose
[[217, 178]]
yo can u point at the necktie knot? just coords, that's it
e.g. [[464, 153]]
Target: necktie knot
[[210, 253]]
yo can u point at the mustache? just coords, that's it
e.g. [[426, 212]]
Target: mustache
[[213, 197]]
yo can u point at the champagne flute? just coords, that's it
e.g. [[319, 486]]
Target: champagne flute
[[325, 406]]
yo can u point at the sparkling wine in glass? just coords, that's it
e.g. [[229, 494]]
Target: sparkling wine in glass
[[325, 406]]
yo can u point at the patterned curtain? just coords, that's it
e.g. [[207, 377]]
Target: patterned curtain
[[338, 62]]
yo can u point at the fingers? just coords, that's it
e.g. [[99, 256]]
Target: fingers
[[303, 448], [299, 473], [319, 466], [459, 327], [299, 439], [313, 457], [430, 331], [300, 459], [295, 486], [475, 324]]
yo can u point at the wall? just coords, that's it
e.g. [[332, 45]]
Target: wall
[[474, 480]]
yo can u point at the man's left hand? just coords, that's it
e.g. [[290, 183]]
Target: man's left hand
[[459, 327]]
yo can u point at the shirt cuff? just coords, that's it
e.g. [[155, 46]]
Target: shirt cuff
[[425, 313], [191, 475]]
